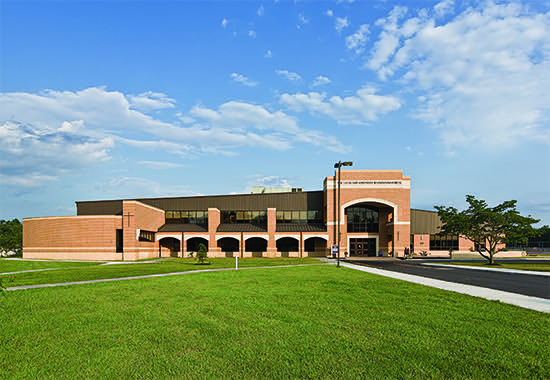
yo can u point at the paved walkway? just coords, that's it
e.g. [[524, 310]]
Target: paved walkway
[[502, 270], [535, 303]]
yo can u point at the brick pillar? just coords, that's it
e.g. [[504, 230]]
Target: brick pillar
[[401, 238], [271, 229], [129, 231], [214, 218]]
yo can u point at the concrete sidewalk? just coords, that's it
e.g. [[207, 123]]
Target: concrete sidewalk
[[534, 303], [503, 270]]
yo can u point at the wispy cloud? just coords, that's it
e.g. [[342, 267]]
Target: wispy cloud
[[362, 108], [159, 165], [320, 81], [341, 23], [243, 80], [493, 90], [289, 75], [357, 40]]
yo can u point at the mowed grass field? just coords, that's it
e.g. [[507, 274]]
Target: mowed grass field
[[60, 271], [296, 322]]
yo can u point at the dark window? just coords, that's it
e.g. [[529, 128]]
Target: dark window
[[362, 218], [146, 236], [443, 242], [187, 217], [244, 217], [302, 217], [119, 241]]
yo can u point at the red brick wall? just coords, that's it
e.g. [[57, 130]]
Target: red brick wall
[[398, 194], [136, 215], [71, 238]]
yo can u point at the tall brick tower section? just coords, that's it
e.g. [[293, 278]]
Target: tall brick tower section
[[386, 192]]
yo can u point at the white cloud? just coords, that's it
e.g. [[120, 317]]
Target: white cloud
[[30, 156], [357, 40], [243, 80], [329, 13], [149, 101], [320, 81], [267, 181], [252, 33], [443, 8], [135, 187], [158, 165], [362, 108], [289, 75], [341, 23], [236, 121], [54, 133], [260, 12], [268, 54], [481, 78], [224, 23]]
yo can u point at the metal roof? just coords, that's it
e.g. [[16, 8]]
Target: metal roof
[[300, 227], [182, 227], [299, 201], [245, 227]]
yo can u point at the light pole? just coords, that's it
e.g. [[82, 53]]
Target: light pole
[[338, 165]]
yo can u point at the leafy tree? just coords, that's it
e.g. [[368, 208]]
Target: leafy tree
[[487, 227], [11, 237], [202, 254]]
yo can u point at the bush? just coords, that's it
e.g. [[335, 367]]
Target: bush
[[202, 254]]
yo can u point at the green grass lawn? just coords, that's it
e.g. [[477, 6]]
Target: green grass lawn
[[7, 265], [541, 267], [95, 271], [277, 323]]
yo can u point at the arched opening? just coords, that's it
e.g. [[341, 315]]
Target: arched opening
[[316, 247], [229, 245], [286, 245], [193, 244], [169, 247], [256, 245]]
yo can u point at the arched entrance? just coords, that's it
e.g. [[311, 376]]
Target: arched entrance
[[256, 245], [229, 245], [316, 247], [286, 245], [169, 247], [367, 227], [193, 244]]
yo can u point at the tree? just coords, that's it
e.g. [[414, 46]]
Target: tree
[[487, 227], [11, 237]]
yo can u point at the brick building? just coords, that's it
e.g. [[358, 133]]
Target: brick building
[[374, 208]]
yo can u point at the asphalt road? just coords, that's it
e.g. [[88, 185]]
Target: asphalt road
[[526, 284]]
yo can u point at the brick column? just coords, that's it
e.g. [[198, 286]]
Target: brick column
[[271, 229], [129, 230], [214, 218]]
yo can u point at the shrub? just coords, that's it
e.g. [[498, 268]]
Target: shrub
[[202, 254]]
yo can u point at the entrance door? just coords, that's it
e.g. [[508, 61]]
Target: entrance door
[[362, 246]]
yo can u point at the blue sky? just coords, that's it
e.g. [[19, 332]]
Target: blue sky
[[103, 100]]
